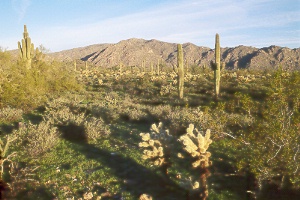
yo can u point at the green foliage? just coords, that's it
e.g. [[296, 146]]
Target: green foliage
[[273, 149], [244, 102], [5, 57], [28, 88], [8, 115], [35, 140]]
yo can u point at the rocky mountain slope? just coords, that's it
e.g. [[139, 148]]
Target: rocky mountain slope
[[134, 51]]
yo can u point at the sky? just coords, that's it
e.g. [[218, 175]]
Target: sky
[[65, 24]]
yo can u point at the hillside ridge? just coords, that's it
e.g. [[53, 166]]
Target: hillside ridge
[[134, 51]]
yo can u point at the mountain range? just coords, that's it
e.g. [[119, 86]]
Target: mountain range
[[134, 51]]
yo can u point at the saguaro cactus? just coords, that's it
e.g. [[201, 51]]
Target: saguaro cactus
[[216, 66], [143, 66], [120, 67], [26, 49], [86, 65], [151, 68], [158, 70], [75, 65], [180, 70], [39, 56], [186, 67]]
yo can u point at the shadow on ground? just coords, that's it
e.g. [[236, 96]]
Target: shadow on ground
[[136, 178]]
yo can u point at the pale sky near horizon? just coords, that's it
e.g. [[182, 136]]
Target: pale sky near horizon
[[65, 24]]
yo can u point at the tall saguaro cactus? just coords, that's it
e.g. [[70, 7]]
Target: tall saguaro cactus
[[158, 70], [26, 49], [75, 66], [143, 66], [86, 65], [216, 66], [151, 68], [180, 71]]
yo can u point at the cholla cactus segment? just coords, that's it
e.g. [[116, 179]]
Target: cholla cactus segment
[[196, 163], [156, 128], [145, 136], [145, 197], [155, 143], [159, 162], [195, 185], [190, 147], [190, 130], [158, 133], [189, 184], [196, 145]]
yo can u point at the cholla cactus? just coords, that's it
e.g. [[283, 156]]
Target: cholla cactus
[[197, 145], [145, 197], [3, 153], [189, 183], [157, 144]]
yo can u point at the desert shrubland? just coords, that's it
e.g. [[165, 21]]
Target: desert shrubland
[[96, 132]]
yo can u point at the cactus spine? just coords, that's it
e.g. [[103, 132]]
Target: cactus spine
[[26, 49], [180, 71], [216, 66]]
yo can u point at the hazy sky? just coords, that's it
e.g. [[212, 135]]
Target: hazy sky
[[65, 24]]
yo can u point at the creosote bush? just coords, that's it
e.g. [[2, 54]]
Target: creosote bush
[[63, 115], [36, 139], [8, 115]]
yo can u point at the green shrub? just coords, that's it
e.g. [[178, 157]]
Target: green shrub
[[8, 115], [29, 88], [274, 141], [35, 140]]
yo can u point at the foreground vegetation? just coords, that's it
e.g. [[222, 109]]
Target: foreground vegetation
[[122, 133]]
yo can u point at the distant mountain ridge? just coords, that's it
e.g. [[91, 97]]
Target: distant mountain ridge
[[134, 51]]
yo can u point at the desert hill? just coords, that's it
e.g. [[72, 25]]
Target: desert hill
[[134, 51]]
